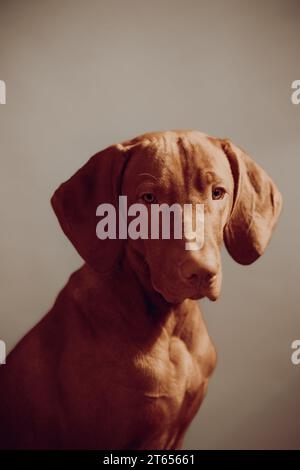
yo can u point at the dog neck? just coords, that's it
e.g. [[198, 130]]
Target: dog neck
[[136, 306], [154, 309]]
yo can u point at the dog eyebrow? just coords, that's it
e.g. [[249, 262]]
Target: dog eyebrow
[[148, 174], [210, 177]]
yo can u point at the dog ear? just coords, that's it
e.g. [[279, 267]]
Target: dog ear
[[75, 203], [256, 207]]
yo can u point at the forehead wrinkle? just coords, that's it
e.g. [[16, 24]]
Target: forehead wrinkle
[[157, 165], [186, 152], [166, 151], [171, 161]]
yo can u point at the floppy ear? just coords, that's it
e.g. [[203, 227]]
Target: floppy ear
[[75, 203], [256, 207]]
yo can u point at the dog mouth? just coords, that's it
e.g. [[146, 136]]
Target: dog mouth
[[209, 289]]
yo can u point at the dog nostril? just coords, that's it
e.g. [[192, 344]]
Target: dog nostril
[[192, 277], [194, 271], [189, 272]]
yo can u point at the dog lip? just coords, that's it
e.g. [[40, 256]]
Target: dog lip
[[167, 295], [175, 298], [212, 297], [202, 290]]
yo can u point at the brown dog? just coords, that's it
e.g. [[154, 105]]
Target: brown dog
[[123, 358]]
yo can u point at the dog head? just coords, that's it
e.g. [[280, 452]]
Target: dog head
[[241, 205]]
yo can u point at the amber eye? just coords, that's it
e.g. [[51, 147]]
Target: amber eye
[[218, 193], [149, 198]]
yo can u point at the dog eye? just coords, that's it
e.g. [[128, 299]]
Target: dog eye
[[218, 193], [149, 198]]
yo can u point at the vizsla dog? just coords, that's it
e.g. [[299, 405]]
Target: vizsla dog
[[123, 358]]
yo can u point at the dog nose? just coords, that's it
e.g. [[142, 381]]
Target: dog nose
[[197, 270]]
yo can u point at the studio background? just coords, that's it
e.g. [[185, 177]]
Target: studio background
[[81, 75]]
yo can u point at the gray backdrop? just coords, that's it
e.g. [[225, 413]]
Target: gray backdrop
[[81, 75]]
